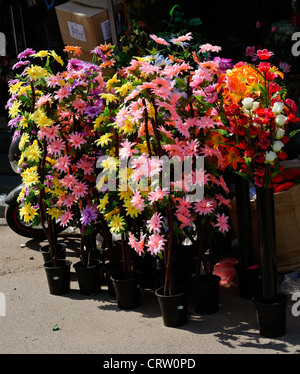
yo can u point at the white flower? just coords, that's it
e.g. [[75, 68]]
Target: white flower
[[277, 145], [277, 107], [279, 133], [270, 156], [280, 119], [248, 103]]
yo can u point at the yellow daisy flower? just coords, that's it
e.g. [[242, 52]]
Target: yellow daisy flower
[[104, 139], [27, 212], [33, 152], [117, 224], [54, 212]]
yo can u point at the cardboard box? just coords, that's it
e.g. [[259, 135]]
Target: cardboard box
[[83, 26]]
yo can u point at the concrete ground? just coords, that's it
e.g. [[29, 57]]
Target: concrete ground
[[95, 324]]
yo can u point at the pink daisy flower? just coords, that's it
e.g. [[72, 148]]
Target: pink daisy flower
[[223, 200], [79, 189], [56, 147], [77, 140], [222, 223], [50, 133], [43, 100], [204, 207], [54, 80], [126, 151], [159, 40], [156, 244], [154, 223], [86, 163], [62, 164], [69, 180], [69, 200], [209, 48], [157, 195], [62, 93], [185, 220], [137, 201], [66, 218], [138, 246], [79, 105]]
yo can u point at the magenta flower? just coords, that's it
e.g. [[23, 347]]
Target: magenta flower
[[26, 53]]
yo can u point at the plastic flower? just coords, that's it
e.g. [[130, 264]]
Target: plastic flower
[[27, 213], [66, 217], [156, 244], [222, 223], [30, 176], [137, 245], [77, 139], [89, 214], [79, 189], [117, 224], [159, 40], [154, 224], [33, 152], [54, 212], [264, 54]]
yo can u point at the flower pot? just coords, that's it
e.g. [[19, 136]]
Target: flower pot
[[271, 316], [173, 307], [88, 277], [267, 243], [128, 291], [111, 270], [205, 291], [61, 252], [248, 280], [58, 276]]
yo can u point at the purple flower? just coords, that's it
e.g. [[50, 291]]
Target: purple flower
[[88, 214], [93, 111], [27, 52], [14, 122]]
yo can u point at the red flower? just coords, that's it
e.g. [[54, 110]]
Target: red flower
[[264, 54], [283, 187]]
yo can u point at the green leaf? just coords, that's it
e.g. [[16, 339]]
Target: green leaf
[[173, 9], [293, 133]]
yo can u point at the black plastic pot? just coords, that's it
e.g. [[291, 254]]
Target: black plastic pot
[[61, 252], [205, 291], [271, 316], [58, 276], [173, 307], [128, 291], [111, 270], [248, 281], [89, 278]]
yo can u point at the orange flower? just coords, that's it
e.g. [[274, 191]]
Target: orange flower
[[215, 139], [106, 48], [107, 64], [73, 49], [232, 157], [241, 81]]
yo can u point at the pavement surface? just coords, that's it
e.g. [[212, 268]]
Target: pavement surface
[[95, 324]]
